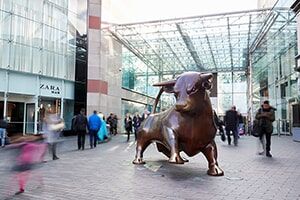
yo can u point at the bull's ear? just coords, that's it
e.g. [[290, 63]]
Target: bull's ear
[[167, 86]]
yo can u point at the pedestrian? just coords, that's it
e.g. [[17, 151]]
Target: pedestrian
[[231, 121], [137, 119], [219, 123], [80, 127], [128, 125], [115, 124], [54, 125], [94, 127], [145, 114], [30, 155], [240, 125], [266, 115], [3, 126], [110, 120]]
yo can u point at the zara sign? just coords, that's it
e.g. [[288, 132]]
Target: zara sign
[[50, 88]]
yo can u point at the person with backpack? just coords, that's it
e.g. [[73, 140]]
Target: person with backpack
[[80, 127], [266, 116]]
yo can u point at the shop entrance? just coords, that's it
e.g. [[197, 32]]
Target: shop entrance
[[15, 117], [29, 118]]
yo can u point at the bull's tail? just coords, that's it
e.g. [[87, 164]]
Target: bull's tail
[[156, 100]]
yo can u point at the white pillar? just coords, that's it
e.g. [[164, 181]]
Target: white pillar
[[62, 99], [36, 104], [5, 105], [24, 120]]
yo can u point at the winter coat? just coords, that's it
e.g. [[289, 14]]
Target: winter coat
[[94, 122], [265, 118]]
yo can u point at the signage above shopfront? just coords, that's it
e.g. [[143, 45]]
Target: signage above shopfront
[[51, 88]]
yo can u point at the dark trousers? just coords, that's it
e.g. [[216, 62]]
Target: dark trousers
[[81, 139], [52, 149], [93, 138], [129, 131], [268, 139], [234, 133], [135, 132]]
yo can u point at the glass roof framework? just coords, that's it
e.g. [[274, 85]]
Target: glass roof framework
[[214, 43]]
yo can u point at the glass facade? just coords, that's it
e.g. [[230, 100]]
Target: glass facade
[[44, 42], [39, 36], [273, 62]]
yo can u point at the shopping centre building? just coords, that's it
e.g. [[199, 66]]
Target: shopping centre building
[[59, 55]]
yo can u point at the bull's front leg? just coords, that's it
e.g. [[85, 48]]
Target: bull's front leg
[[142, 144], [172, 141], [210, 152]]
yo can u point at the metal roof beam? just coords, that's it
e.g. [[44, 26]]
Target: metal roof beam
[[175, 55], [191, 48], [211, 52], [229, 43], [135, 51], [150, 47]]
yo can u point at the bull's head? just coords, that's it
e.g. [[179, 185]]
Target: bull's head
[[189, 89]]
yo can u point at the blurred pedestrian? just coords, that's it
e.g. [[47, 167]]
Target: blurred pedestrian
[[128, 125], [94, 127], [80, 127], [266, 116], [3, 126], [219, 123], [145, 114], [115, 124], [109, 121], [30, 155], [54, 125], [137, 120], [231, 121]]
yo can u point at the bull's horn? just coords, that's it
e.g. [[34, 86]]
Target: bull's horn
[[165, 83]]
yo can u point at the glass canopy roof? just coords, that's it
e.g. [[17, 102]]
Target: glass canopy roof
[[214, 43]]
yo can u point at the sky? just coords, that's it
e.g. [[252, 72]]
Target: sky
[[130, 11]]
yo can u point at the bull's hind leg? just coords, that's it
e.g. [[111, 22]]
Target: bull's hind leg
[[173, 143], [140, 148], [166, 151], [210, 152]]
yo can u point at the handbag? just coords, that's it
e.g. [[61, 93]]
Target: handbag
[[256, 129], [57, 127]]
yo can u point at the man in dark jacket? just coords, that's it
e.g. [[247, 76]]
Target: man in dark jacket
[[231, 122], [266, 115], [80, 127]]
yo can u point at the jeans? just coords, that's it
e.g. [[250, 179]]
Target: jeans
[[93, 138], [2, 136], [235, 135]]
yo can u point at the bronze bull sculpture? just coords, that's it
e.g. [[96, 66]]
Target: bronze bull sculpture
[[187, 126]]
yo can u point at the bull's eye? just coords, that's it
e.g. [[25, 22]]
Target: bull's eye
[[192, 91], [176, 95]]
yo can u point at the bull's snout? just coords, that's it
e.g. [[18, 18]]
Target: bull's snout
[[207, 82], [179, 106]]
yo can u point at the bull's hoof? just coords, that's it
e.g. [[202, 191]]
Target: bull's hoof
[[185, 160], [176, 160], [138, 161], [215, 171]]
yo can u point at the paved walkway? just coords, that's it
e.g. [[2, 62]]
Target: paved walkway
[[106, 172]]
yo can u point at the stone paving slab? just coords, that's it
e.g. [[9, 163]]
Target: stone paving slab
[[106, 172]]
